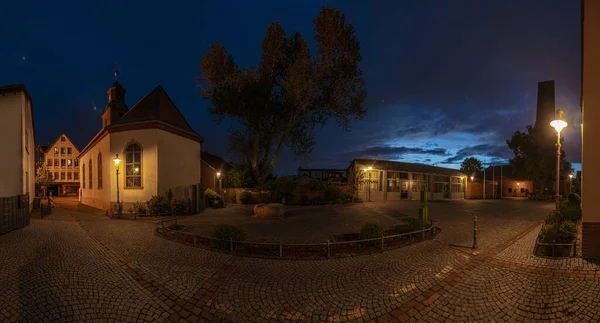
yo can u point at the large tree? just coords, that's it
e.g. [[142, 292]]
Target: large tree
[[470, 165], [535, 157], [280, 102]]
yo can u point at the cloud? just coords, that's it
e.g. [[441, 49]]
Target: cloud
[[497, 152]]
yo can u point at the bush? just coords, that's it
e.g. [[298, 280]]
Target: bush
[[284, 187], [227, 232], [158, 205], [179, 206], [140, 209], [246, 197], [303, 199], [211, 193], [332, 193], [415, 224], [547, 233], [315, 185], [570, 213], [567, 232], [574, 199], [176, 227], [232, 197], [371, 230]]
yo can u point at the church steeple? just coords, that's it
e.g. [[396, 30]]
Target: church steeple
[[116, 106]]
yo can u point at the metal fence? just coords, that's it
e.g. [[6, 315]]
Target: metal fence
[[328, 249], [14, 212], [556, 250]]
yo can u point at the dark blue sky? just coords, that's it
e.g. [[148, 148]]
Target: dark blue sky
[[446, 79]]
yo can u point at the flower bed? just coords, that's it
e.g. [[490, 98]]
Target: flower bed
[[557, 237]]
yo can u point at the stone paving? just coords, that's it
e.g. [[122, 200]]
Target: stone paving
[[78, 266]]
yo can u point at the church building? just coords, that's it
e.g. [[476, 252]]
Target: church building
[[151, 147]]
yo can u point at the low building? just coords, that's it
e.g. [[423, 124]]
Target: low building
[[500, 183], [380, 180], [216, 172], [17, 165], [324, 174], [158, 151], [61, 161]]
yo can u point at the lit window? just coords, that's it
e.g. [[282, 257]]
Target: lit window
[[69, 162], [56, 150], [90, 173], [133, 166], [99, 170]]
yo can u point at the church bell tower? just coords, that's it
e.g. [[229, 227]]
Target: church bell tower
[[116, 107]]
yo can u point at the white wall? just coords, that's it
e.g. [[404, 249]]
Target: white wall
[[179, 161], [28, 149], [148, 139], [11, 124], [94, 196]]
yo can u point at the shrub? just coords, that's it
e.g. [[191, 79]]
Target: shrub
[[574, 199], [317, 200], [315, 185], [284, 187], [547, 233], [169, 195], [232, 197], [332, 193], [415, 224], [225, 233], [158, 205], [567, 232], [176, 227], [246, 197], [140, 209], [570, 212], [210, 193], [179, 206], [371, 230], [303, 199]]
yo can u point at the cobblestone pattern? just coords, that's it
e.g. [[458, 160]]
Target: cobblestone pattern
[[52, 272], [95, 268]]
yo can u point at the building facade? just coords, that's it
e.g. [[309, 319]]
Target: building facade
[[17, 165], [60, 158], [216, 172], [378, 180], [590, 129], [157, 148], [323, 174]]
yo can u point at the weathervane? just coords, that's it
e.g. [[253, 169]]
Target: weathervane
[[116, 72]]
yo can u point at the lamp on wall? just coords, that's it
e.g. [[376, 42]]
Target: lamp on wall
[[117, 161], [558, 124]]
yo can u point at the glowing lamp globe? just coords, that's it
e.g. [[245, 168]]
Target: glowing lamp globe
[[117, 160], [559, 123]]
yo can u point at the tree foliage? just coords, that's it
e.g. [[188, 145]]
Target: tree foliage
[[535, 157], [280, 102], [43, 176], [471, 165]]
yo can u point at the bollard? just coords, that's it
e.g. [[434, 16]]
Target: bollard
[[381, 243], [230, 244], [475, 232], [280, 250], [328, 250]]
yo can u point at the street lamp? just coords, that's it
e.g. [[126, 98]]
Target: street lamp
[[558, 124], [570, 182], [518, 188], [117, 160], [218, 180]]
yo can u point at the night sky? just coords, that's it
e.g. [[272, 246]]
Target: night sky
[[445, 79]]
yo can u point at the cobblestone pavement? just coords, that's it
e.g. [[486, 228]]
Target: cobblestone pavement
[[77, 265]]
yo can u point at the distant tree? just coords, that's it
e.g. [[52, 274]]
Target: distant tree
[[280, 102], [471, 165], [535, 157], [43, 178]]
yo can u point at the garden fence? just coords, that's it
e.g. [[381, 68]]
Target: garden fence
[[294, 251]]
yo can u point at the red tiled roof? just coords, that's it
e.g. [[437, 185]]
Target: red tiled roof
[[156, 106]]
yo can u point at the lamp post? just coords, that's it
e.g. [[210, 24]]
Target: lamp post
[[117, 160], [518, 188], [558, 124], [570, 182], [218, 180]]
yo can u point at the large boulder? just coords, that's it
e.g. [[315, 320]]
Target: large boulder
[[269, 210]]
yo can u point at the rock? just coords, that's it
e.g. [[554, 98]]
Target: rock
[[269, 210]]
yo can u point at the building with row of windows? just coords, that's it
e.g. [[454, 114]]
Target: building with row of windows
[[60, 160], [157, 149], [380, 180]]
